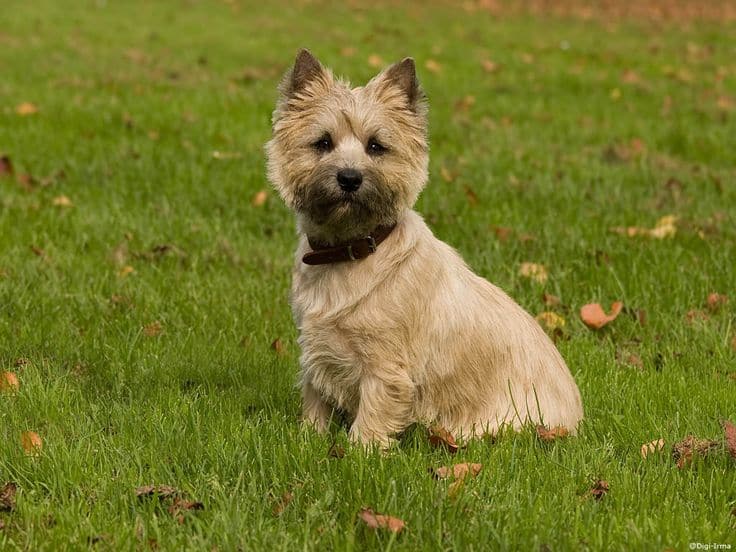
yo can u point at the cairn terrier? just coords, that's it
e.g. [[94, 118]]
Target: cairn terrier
[[394, 328]]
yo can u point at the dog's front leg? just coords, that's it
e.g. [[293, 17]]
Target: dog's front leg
[[315, 411], [385, 408]]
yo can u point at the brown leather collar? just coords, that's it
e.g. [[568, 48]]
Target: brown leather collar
[[349, 251]]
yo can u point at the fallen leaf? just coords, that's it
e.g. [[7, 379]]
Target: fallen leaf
[[181, 505], [502, 233], [374, 60], [220, 155], [666, 227], [439, 437], [278, 346], [650, 448], [26, 108], [31, 443], [38, 252], [457, 471], [553, 434], [280, 505], [433, 66], [62, 201], [533, 271], [729, 429], [21, 362], [162, 491], [550, 300], [127, 270], [471, 195], [455, 487], [446, 175], [153, 329], [465, 103], [690, 446], [489, 66], [381, 521], [26, 181], [6, 166], [599, 490], [696, 315], [595, 318], [7, 496], [347, 51], [9, 382], [259, 198], [550, 321], [336, 451], [715, 301]]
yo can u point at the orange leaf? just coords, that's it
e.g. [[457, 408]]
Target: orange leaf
[[594, 317], [650, 448], [26, 108], [716, 301], [31, 443], [9, 382], [730, 430], [153, 329], [458, 471], [259, 198], [433, 66], [380, 521], [6, 166], [374, 60], [440, 437], [553, 434]]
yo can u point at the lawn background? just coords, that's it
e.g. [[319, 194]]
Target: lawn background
[[151, 120]]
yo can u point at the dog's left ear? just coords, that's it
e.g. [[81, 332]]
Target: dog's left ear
[[404, 76]]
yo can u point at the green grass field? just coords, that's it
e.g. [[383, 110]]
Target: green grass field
[[150, 120]]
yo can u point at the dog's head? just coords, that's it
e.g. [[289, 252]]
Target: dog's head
[[348, 159]]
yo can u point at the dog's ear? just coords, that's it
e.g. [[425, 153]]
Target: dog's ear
[[404, 75], [306, 69]]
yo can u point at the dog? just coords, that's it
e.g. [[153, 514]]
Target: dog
[[394, 328]]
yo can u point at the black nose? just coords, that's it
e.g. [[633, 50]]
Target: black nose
[[349, 179]]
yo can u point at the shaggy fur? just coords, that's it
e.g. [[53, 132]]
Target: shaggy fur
[[409, 333]]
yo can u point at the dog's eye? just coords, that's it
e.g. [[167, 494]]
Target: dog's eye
[[375, 147], [324, 144]]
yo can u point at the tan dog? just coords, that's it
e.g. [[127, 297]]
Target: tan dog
[[405, 332]]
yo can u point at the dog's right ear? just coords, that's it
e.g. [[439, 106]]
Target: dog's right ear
[[306, 69]]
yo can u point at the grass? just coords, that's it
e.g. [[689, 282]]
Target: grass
[[579, 130]]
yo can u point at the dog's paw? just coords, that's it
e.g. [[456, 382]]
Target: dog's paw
[[371, 439]]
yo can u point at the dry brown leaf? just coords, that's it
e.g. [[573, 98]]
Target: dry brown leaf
[[457, 471], [336, 451], [489, 66], [259, 198], [31, 443], [181, 505], [162, 491], [471, 195], [381, 521], [7, 496], [6, 166], [715, 301], [729, 430], [666, 227], [595, 318], [347, 51], [696, 315], [599, 490], [690, 446], [446, 175], [533, 271], [548, 435], [278, 346], [502, 233], [465, 103], [280, 505], [433, 66], [154, 329], [26, 108], [650, 448], [550, 321], [127, 270], [9, 382], [550, 300], [439, 437], [375, 61], [62, 201]]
